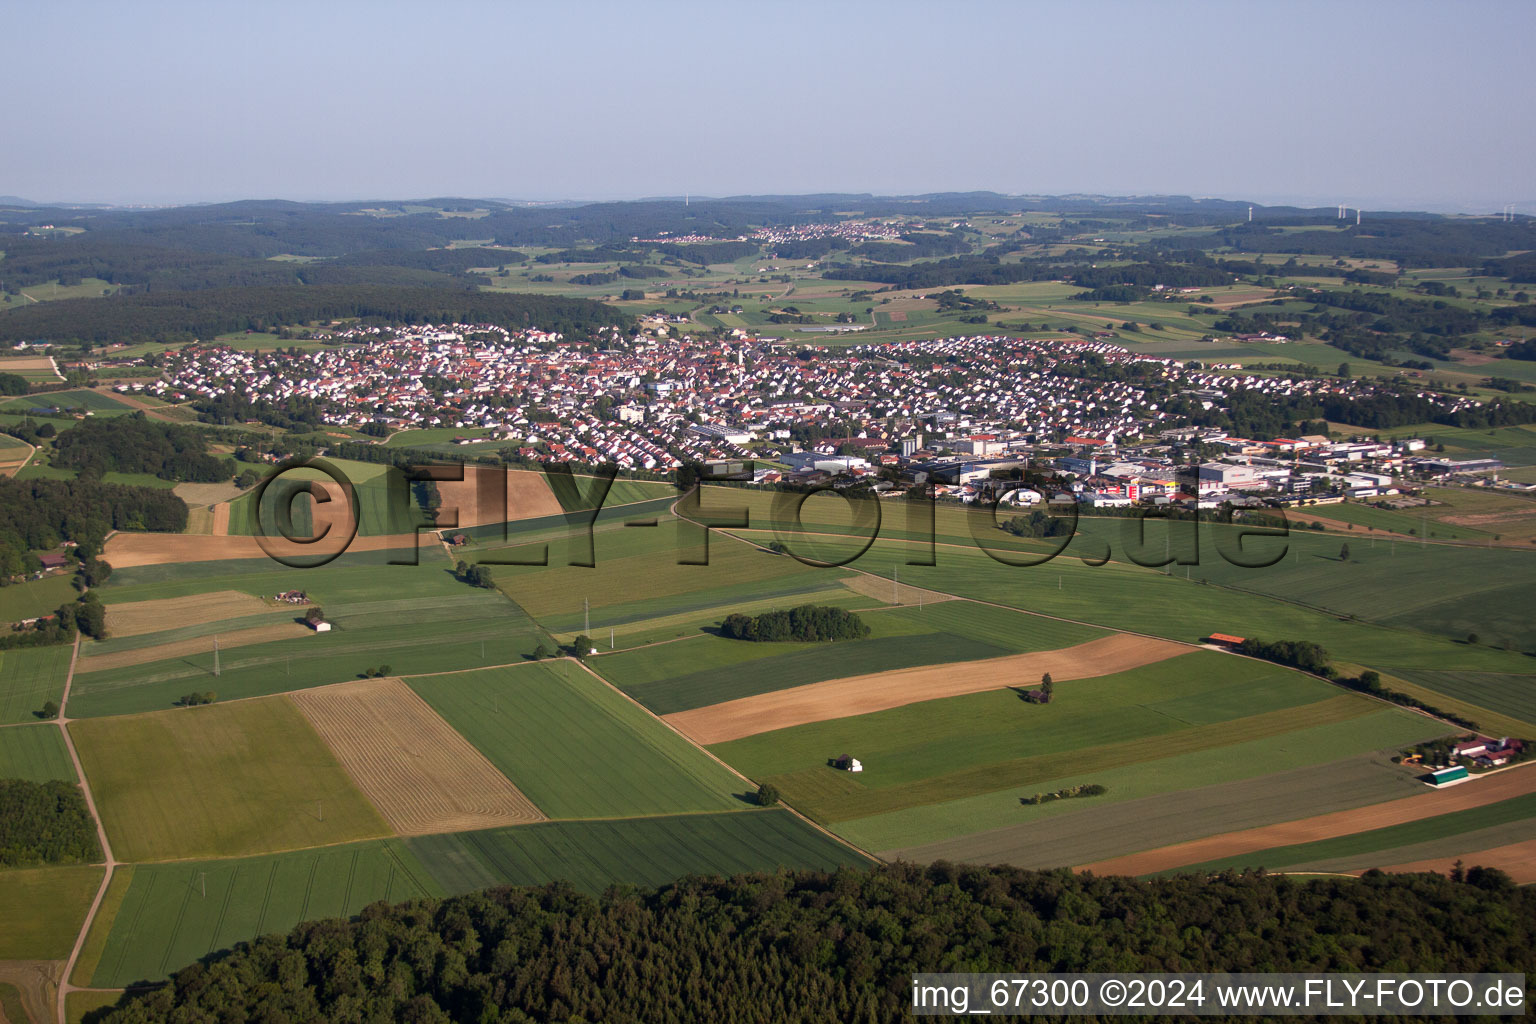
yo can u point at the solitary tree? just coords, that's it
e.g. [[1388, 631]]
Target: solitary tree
[[50, 709], [767, 795], [582, 644], [1471, 638], [1344, 553]]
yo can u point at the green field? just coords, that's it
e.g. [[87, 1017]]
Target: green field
[[1508, 694], [44, 909], [34, 752], [1370, 845], [995, 748], [712, 669], [173, 914], [220, 780], [36, 597], [1123, 821], [576, 747], [416, 619], [29, 677], [92, 401], [593, 855]]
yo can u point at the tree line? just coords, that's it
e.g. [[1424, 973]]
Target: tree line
[[805, 946]]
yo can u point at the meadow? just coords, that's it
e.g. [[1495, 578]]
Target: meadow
[[1513, 695], [36, 753], [1177, 769], [221, 780], [29, 677], [712, 669], [44, 909], [1072, 832], [592, 855], [173, 914], [576, 747], [35, 597]]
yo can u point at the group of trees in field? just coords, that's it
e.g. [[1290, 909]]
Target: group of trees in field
[[792, 947], [197, 698], [806, 622], [474, 575], [85, 615], [1037, 524], [137, 444], [45, 823], [1070, 793]]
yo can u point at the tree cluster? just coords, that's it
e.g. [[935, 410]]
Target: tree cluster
[[137, 444], [806, 622], [45, 823]]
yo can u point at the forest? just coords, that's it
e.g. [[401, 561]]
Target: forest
[[39, 514], [813, 946], [45, 823], [136, 444], [189, 315]]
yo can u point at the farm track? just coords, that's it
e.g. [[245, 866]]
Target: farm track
[[422, 775]]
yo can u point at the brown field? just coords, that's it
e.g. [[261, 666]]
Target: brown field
[[881, 590], [125, 550], [135, 617], [1519, 859], [37, 981], [420, 774], [220, 524], [879, 691], [1503, 786], [12, 464], [193, 645], [528, 496]]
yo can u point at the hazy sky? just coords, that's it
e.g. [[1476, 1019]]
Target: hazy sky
[[1381, 104]]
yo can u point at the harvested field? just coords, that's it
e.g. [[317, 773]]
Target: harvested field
[[1503, 786], [881, 590], [527, 496], [206, 494], [1518, 859], [191, 645], [422, 775], [135, 617], [127, 550], [879, 691]]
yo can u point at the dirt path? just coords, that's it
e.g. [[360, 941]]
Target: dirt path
[[101, 835], [1502, 785], [880, 691]]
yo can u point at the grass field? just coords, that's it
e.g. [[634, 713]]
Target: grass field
[[1389, 841], [92, 401], [712, 669], [220, 780], [1072, 832], [35, 597], [29, 677], [1509, 694], [1177, 769], [34, 752], [43, 910], [574, 746], [593, 855], [416, 619], [173, 914]]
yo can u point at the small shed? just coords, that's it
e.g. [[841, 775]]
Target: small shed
[[1446, 775]]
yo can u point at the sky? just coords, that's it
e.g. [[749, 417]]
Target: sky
[[1403, 105]]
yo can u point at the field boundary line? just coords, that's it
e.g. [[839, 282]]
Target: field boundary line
[[814, 824]]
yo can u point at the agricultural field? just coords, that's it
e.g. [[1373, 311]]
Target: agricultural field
[[36, 753], [420, 774], [220, 780], [93, 403], [14, 454], [593, 855], [44, 909], [948, 773], [172, 914], [30, 677], [576, 747], [34, 369]]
